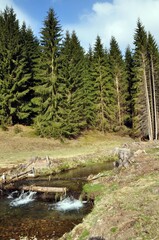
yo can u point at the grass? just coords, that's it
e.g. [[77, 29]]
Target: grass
[[126, 207], [20, 143]]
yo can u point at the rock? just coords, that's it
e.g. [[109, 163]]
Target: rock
[[125, 157]]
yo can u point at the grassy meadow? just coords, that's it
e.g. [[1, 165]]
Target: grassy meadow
[[20, 143]]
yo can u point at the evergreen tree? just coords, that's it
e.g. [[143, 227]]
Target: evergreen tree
[[9, 60], [142, 121], [119, 78], [103, 88], [26, 76], [89, 91], [48, 90], [71, 104], [153, 83], [18, 49], [129, 64]]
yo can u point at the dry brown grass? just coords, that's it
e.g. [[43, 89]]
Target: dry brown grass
[[127, 208], [19, 143]]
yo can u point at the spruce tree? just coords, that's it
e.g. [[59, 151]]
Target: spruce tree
[[9, 60], [89, 91], [142, 118], [26, 76], [153, 83], [103, 88], [70, 113], [129, 64], [119, 78], [47, 92], [18, 48]]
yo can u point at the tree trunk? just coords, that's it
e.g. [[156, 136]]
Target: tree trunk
[[118, 99], [102, 103], [150, 132], [154, 99], [45, 189]]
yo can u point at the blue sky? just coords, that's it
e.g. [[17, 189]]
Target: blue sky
[[90, 18]]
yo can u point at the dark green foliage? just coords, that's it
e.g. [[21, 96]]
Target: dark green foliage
[[25, 77], [89, 91], [64, 91], [71, 106], [103, 88], [18, 49], [9, 53], [145, 85], [48, 94], [153, 83], [140, 103], [139, 118], [129, 64], [118, 73]]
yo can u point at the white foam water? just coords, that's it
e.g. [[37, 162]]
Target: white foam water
[[68, 204], [24, 198]]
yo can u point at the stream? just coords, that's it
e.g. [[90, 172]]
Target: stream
[[25, 214]]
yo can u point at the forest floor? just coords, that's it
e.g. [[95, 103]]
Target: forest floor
[[126, 200]]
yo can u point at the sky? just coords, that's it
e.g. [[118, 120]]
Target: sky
[[89, 18]]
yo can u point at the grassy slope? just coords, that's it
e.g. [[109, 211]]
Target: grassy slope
[[17, 147], [126, 206]]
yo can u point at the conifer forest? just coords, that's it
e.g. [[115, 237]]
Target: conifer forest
[[53, 84]]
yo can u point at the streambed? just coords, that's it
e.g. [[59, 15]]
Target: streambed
[[42, 219]]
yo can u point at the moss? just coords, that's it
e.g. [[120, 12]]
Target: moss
[[92, 188], [63, 167], [114, 229]]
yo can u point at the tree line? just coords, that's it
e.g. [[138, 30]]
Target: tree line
[[54, 85]]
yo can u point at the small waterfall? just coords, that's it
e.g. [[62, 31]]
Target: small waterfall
[[68, 204], [24, 198]]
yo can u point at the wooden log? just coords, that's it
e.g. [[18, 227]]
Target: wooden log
[[18, 176], [44, 189]]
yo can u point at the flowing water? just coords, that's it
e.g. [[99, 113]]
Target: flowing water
[[25, 214], [22, 199]]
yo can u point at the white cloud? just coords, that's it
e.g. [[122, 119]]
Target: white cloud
[[21, 15], [118, 19]]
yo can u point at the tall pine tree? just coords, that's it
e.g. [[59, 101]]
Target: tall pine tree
[[89, 91], [142, 118], [9, 59], [71, 115], [119, 78], [129, 64], [103, 88], [153, 83], [48, 90]]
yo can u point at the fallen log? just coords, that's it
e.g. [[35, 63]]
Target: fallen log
[[94, 177], [44, 189], [17, 177]]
